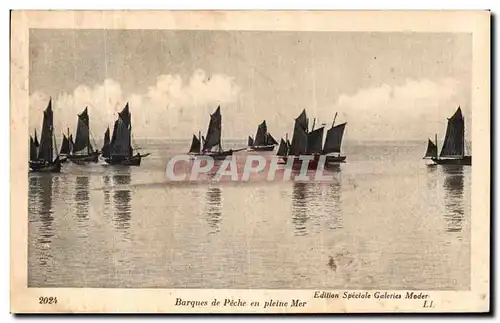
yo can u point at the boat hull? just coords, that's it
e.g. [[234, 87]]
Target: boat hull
[[262, 148], [84, 159], [127, 161], [45, 167], [466, 161], [297, 163], [216, 155], [336, 159]]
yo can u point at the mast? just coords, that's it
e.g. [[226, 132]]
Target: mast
[[463, 139], [335, 117], [88, 134], [201, 140]]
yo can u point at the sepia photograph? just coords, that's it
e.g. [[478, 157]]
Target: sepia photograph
[[250, 161]]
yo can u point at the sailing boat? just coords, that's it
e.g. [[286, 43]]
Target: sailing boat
[[264, 141], [453, 150], [212, 145], [283, 150], [82, 150], [66, 147], [106, 147], [120, 147], [44, 160], [195, 145], [305, 142], [34, 148], [333, 142], [432, 149]]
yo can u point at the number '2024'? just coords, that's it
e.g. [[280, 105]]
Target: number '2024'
[[47, 300]]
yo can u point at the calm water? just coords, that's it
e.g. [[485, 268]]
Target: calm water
[[387, 221]]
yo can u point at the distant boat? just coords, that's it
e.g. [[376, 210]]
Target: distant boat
[[453, 150], [120, 151], [81, 151], [211, 144], [34, 144], [264, 141], [42, 157], [106, 147], [195, 148]]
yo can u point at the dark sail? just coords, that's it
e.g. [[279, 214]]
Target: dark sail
[[282, 149], [271, 140], [106, 146], [126, 116], [261, 135], [250, 141], [453, 145], [195, 145], [121, 146], [37, 144], [315, 141], [82, 140], [333, 141], [302, 121], [125, 122], [432, 150], [65, 146], [33, 154], [212, 139], [45, 151], [299, 140]]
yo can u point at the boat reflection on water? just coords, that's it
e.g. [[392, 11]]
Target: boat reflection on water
[[432, 176], [118, 198], [316, 207], [40, 210], [122, 198], [299, 207], [454, 197], [214, 208], [82, 202]]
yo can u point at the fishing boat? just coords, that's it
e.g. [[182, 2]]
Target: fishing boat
[[283, 150], [264, 141], [82, 151], [120, 147], [333, 143], [66, 147], [42, 157], [211, 144], [305, 142], [106, 147], [195, 148], [310, 143], [454, 147], [432, 150]]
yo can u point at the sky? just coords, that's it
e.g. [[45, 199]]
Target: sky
[[386, 86]]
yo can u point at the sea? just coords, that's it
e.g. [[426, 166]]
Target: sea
[[387, 220]]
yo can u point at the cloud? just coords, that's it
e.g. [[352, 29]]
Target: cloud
[[169, 108], [415, 109], [174, 107]]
